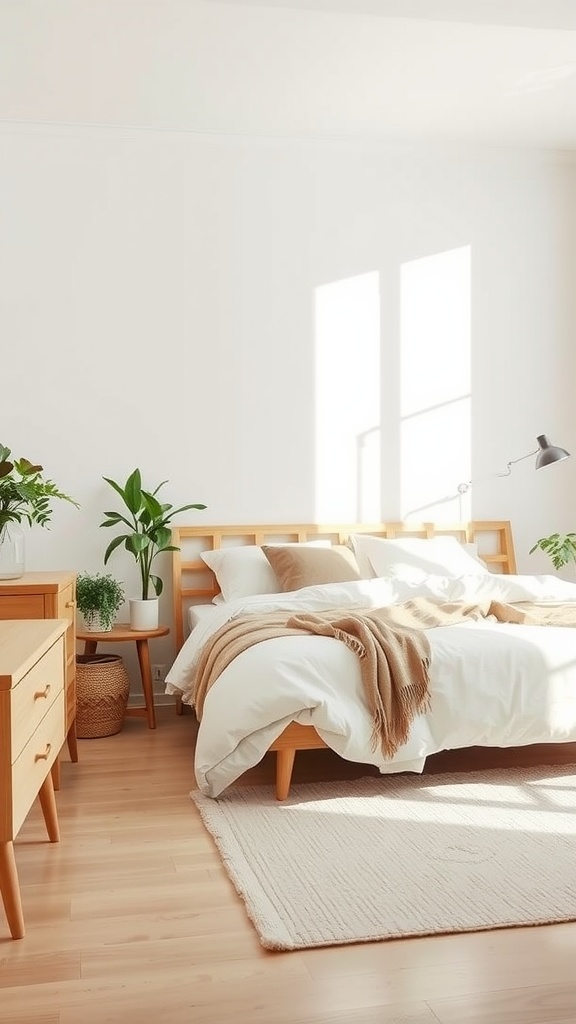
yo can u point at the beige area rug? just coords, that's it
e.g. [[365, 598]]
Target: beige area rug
[[400, 855]]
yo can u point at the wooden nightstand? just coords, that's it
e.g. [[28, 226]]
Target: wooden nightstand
[[48, 595], [32, 731], [118, 634]]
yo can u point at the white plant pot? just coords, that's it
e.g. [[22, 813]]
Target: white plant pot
[[144, 614], [94, 624]]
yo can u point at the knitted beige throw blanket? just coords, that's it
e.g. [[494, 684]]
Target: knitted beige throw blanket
[[391, 643]]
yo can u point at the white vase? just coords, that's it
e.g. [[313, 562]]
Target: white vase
[[11, 551], [144, 614]]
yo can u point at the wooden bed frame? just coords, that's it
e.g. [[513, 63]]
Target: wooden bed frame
[[194, 583]]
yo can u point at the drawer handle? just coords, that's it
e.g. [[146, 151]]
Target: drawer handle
[[45, 755], [42, 693]]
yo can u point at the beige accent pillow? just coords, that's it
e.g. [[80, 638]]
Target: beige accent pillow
[[244, 570], [297, 567]]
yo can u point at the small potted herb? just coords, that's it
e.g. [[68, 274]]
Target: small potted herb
[[98, 598]]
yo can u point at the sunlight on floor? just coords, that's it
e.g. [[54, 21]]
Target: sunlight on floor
[[515, 808]]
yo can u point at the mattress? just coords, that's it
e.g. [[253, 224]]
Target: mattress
[[198, 613]]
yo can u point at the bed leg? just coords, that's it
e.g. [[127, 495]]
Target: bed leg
[[179, 706], [284, 766]]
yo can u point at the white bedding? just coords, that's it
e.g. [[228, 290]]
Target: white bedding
[[199, 613], [492, 684]]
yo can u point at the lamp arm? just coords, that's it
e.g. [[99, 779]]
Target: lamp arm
[[546, 454], [513, 462], [465, 486]]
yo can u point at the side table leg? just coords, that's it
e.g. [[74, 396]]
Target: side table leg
[[146, 673], [10, 890]]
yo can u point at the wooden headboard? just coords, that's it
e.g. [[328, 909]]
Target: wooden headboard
[[194, 583]]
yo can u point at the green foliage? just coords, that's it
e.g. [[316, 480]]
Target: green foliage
[[99, 594], [560, 548], [24, 493], [148, 522]]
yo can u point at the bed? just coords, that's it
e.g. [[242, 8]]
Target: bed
[[525, 675]]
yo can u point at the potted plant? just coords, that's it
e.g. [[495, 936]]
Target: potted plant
[[25, 496], [560, 548], [99, 598], [147, 520]]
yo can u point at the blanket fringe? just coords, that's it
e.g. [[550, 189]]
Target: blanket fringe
[[351, 641], [414, 699]]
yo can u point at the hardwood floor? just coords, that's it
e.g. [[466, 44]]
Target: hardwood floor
[[131, 919]]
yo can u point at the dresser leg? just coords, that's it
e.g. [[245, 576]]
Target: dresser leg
[[10, 889], [48, 805], [72, 742], [55, 773]]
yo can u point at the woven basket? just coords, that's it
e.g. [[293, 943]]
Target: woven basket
[[102, 687]]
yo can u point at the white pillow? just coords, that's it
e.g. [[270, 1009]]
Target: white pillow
[[472, 550], [244, 571], [413, 558]]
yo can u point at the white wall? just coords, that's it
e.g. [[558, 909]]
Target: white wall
[[157, 309]]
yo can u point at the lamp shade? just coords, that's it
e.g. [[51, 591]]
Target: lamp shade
[[549, 453]]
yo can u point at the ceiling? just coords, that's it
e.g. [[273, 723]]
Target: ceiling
[[499, 72]]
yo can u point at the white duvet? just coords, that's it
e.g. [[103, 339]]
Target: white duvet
[[492, 684]]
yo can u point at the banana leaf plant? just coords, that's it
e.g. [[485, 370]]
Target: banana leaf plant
[[148, 521]]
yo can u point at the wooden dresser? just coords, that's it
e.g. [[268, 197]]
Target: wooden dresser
[[48, 595], [32, 731]]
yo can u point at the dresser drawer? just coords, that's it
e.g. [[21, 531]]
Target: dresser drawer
[[66, 607], [46, 595], [35, 761], [35, 694], [22, 606]]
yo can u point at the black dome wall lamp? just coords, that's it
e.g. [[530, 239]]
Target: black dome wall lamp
[[546, 453]]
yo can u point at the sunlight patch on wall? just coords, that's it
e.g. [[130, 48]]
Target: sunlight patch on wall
[[347, 333], [435, 384]]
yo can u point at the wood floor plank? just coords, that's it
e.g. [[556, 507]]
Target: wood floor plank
[[192, 958], [170, 894], [181, 997], [132, 918], [31, 1017], [467, 979], [210, 935], [534, 1004], [38, 968], [450, 965]]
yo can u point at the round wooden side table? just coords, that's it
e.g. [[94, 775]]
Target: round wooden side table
[[119, 633]]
